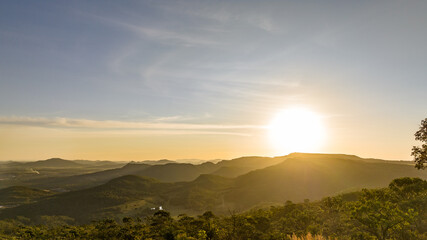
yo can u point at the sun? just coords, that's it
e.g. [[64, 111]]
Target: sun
[[296, 130]]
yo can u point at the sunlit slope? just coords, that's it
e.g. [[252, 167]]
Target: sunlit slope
[[313, 176], [174, 172], [204, 193]]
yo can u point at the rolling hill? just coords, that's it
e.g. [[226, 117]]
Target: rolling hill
[[49, 163], [164, 171], [20, 195], [296, 177], [31, 173]]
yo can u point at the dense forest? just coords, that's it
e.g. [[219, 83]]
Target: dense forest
[[398, 211]]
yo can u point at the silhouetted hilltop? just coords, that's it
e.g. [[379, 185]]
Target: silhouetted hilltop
[[157, 162], [51, 163]]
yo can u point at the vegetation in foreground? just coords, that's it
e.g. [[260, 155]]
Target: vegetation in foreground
[[396, 212]]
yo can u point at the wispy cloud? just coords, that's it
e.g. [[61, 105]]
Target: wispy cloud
[[156, 33], [167, 35], [224, 14], [176, 118], [162, 127]]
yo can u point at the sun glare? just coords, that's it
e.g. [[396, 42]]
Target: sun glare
[[296, 130]]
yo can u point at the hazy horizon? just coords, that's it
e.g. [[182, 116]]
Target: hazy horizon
[[197, 160]]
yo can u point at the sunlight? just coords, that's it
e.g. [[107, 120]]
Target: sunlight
[[296, 130]]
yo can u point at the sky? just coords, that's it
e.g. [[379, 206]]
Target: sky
[[137, 80]]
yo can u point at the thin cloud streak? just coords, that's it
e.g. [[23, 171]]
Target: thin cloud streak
[[119, 125], [133, 132]]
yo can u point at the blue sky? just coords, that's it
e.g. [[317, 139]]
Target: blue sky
[[216, 68]]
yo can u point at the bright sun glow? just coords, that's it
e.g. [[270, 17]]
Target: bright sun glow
[[297, 130]]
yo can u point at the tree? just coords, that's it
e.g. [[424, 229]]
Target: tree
[[379, 217], [420, 152]]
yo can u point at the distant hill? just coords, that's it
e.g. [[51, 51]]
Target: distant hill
[[100, 163], [195, 161], [168, 172], [231, 171], [296, 177], [157, 162], [30, 173], [89, 179], [175, 172], [62, 163], [51, 163]]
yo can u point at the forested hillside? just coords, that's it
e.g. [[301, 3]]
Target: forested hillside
[[396, 212]]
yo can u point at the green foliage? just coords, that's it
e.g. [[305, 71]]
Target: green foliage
[[380, 217], [397, 212], [420, 152]]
